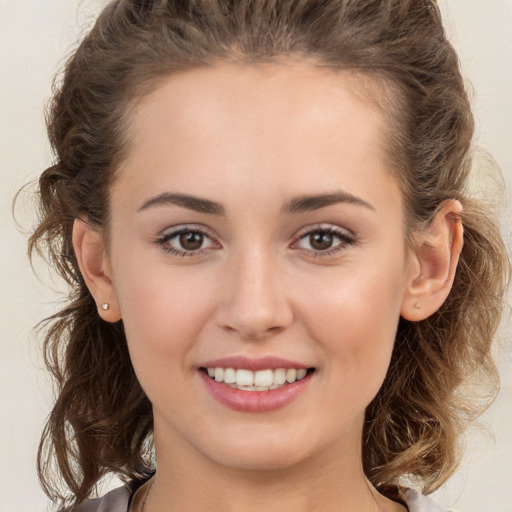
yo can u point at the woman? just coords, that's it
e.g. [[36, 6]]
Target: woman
[[280, 286]]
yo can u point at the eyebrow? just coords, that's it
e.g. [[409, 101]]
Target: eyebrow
[[186, 201], [297, 205], [310, 203]]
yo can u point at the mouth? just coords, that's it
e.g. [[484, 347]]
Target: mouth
[[261, 380], [255, 385]]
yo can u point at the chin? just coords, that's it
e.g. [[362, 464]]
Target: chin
[[263, 451], [260, 460]]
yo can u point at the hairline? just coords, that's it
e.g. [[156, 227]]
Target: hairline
[[373, 87]]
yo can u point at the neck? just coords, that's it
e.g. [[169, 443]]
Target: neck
[[320, 484]]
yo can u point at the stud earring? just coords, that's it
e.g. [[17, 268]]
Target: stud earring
[[105, 306]]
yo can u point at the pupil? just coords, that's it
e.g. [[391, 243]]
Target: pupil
[[191, 241], [321, 241]]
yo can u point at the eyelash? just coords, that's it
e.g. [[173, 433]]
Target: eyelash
[[163, 241], [343, 237], [345, 240]]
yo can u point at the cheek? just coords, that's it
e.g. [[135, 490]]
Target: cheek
[[353, 302], [162, 317], [163, 309], [355, 324]]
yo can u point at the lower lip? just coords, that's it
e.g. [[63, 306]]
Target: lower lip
[[254, 401]]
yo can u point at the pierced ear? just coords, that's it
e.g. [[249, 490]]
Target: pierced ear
[[433, 265], [95, 268]]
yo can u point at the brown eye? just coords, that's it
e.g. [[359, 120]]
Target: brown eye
[[328, 240], [191, 240], [186, 242], [321, 241]]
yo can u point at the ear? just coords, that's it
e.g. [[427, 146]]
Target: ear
[[433, 263], [94, 265]]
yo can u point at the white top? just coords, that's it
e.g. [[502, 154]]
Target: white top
[[119, 499], [416, 502]]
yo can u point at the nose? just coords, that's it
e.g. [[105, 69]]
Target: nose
[[254, 303]]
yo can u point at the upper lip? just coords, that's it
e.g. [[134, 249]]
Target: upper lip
[[254, 364]]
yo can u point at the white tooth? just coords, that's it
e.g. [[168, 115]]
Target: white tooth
[[247, 388], [244, 378], [211, 372], [229, 376], [279, 376], [291, 375], [261, 388], [301, 374], [274, 386], [263, 378], [219, 374]]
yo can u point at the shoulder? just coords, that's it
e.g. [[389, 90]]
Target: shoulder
[[416, 502], [114, 501], [118, 501]]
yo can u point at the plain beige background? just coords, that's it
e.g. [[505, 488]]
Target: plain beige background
[[35, 35]]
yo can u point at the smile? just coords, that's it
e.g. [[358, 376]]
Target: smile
[[255, 385], [261, 380]]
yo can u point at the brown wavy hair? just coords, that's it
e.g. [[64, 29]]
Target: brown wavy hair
[[102, 422]]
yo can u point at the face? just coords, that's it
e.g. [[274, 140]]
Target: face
[[256, 236]]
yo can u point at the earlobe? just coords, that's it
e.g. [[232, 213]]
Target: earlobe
[[433, 263], [95, 268]]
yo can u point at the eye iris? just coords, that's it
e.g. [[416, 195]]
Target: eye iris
[[321, 241], [191, 240]]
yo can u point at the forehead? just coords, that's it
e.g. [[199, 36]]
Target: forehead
[[289, 87], [250, 124]]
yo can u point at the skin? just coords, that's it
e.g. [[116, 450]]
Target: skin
[[251, 139]]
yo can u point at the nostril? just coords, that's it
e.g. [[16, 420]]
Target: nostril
[[252, 332], [253, 309]]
